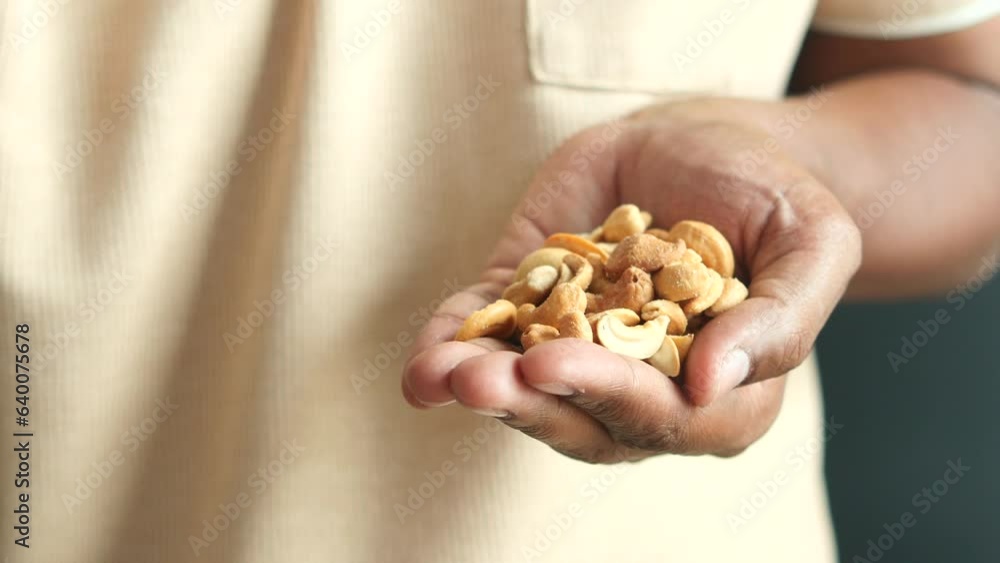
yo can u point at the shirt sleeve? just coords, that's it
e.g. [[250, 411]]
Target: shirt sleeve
[[900, 19]]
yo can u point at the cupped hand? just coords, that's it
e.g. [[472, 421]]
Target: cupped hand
[[792, 239]]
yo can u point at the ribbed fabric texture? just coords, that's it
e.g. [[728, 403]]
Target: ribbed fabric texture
[[198, 209]]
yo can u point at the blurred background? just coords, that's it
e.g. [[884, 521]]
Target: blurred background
[[901, 429]]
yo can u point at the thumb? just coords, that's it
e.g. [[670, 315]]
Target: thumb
[[806, 254]]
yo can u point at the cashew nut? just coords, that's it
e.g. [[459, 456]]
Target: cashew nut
[[733, 293], [541, 257], [682, 280], [647, 219], [632, 290], [683, 344], [667, 359], [575, 325], [639, 342], [536, 334], [608, 247], [565, 299], [669, 309], [626, 220], [575, 244], [534, 288], [642, 251], [599, 283], [707, 241], [627, 316], [496, 320], [706, 298], [576, 270], [660, 234]]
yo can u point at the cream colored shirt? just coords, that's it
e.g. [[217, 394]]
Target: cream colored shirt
[[224, 221]]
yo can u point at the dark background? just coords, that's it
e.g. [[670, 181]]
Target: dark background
[[901, 429]]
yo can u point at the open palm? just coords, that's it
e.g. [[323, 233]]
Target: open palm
[[792, 240]]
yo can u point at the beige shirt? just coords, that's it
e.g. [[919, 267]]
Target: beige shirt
[[225, 220]]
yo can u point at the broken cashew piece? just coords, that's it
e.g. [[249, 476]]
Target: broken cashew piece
[[575, 244], [639, 342], [541, 257], [707, 241], [496, 320], [733, 293], [669, 309], [706, 298], [626, 220], [667, 359], [534, 288]]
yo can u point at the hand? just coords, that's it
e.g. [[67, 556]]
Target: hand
[[791, 238]]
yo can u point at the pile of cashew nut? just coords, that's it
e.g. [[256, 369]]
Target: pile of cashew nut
[[638, 291]]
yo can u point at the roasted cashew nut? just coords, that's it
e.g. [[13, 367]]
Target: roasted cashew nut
[[707, 241], [534, 288], [496, 320], [639, 342]]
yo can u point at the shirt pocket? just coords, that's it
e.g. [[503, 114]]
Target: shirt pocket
[[660, 46]]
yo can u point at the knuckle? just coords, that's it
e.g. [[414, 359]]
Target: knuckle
[[594, 455], [540, 431], [797, 347], [659, 437]]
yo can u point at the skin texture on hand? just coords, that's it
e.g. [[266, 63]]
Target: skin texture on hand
[[791, 238]]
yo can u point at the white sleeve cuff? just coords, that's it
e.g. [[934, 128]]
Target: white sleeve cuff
[[905, 21]]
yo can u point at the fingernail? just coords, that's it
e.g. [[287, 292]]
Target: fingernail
[[491, 412], [560, 389], [435, 405], [735, 367]]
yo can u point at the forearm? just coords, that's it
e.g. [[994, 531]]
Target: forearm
[[915, 159], [913, 156]]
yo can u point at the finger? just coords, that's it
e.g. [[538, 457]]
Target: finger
[[448, 318], [491, 385], [644, 410], [425, 378], [808, 250]]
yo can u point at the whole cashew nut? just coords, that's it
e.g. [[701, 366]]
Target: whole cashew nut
[[565, 299], [534, 288], [642, 251], [706, 298], [682, 280], [541, 257], [669, 309], [639, 342], [632, 290], [496, 320], [576, 270], [575, 244], [626, 220], [707, 241], [733, 293]]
